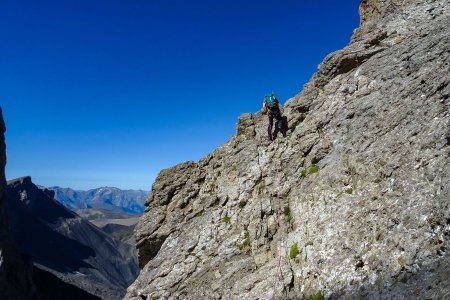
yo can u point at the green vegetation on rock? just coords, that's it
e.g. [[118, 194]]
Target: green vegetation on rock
[[317, 296], [348, 126], [294, 251], [311, 170], [314, 169], [226, 219], [288, 214]]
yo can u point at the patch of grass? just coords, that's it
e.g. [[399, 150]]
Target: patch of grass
[[317, 296], [311, 170], [294, 251], [346, 191], [226, 219], [314, 169], [287, 213], [348, 126], [247, 238]]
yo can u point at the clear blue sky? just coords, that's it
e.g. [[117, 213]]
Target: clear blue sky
[[108, 92]]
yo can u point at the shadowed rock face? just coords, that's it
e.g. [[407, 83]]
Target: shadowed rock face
[[63, 245], [50, 287], [371, 221], [15, 270]]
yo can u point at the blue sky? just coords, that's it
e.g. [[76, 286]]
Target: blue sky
[[108, 92]]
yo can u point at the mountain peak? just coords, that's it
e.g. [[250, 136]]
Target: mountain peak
[[24, 180]]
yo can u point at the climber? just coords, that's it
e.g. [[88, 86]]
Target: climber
[[271, 106]]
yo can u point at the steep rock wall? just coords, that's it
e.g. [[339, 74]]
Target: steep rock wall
[[15, 270], [360, 183]]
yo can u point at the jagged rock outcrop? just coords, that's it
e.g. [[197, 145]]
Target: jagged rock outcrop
[[360, 185], [74, 256], [15, 270]]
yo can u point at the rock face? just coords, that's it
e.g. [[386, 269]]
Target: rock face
[[108, 198], [74, 256], [352, 204], [15, 270]]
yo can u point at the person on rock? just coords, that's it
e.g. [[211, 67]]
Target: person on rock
[[271, 106]]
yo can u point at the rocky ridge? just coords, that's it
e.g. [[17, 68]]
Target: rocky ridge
[[67, 248], [351, 204]]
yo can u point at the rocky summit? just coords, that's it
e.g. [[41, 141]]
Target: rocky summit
[[353, 203]]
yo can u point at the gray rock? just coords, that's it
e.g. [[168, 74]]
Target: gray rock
[[360, 183]]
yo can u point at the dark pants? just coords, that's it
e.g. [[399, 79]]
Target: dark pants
[[277, 115]]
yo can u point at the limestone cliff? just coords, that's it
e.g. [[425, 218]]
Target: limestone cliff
[[352, 204]]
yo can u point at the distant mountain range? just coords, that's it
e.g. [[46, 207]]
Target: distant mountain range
[[107, 198]]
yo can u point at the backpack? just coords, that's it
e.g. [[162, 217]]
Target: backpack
[[271, 101]]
